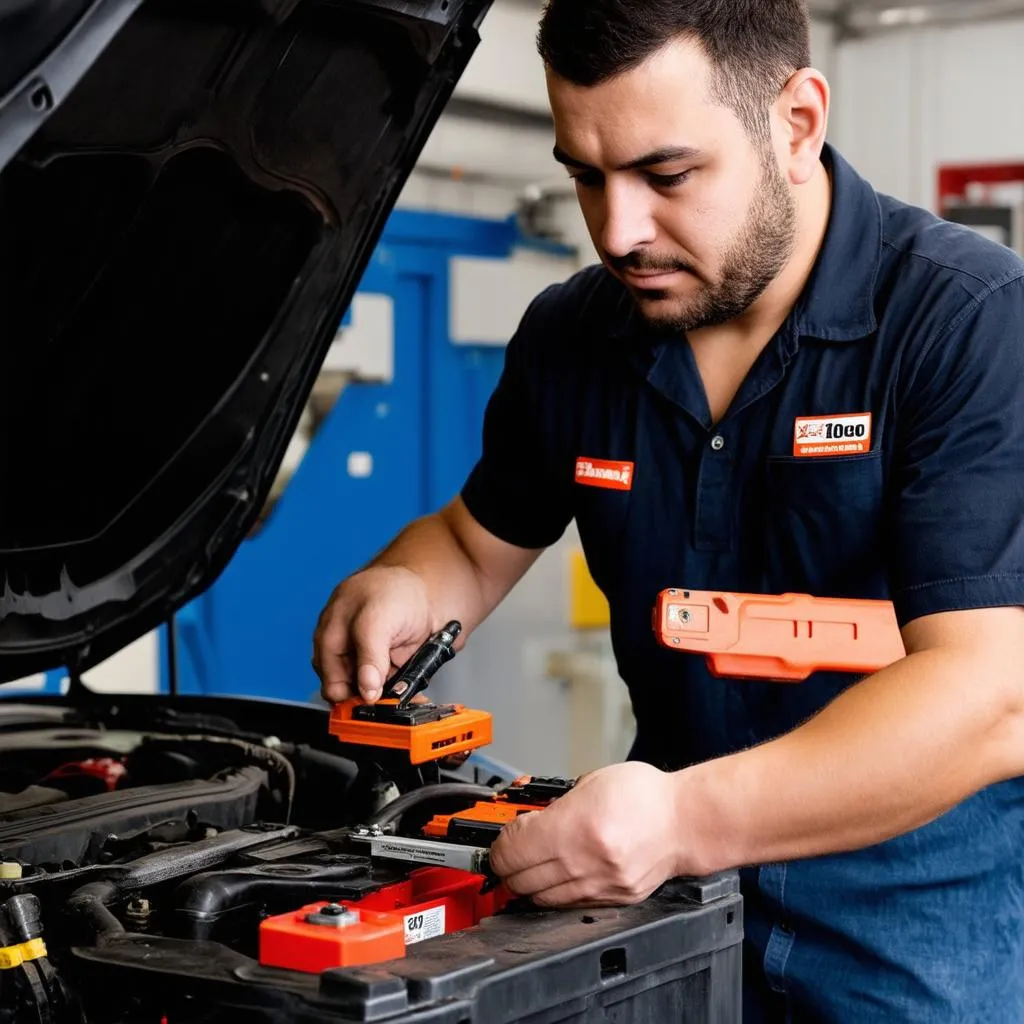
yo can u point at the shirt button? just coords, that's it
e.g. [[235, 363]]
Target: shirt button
[[717, 443]]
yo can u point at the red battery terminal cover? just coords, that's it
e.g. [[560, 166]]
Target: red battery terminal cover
[[378, 927], [455, 730], [784, 638]]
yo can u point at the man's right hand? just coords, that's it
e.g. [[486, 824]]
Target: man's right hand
[[373, 623]]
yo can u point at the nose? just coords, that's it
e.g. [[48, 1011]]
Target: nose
[[628, 218]]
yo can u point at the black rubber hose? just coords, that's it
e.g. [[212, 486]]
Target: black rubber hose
[[201, 902], [393, 811], [90, 902], [334, 763]]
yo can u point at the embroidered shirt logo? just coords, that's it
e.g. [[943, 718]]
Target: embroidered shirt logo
[[832, 435], [615, 476]]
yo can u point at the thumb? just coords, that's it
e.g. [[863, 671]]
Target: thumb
[[373, 657]]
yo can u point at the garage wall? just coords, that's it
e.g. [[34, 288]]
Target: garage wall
[[910, 100]]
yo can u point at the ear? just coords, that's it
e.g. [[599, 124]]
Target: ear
[[802, 109]]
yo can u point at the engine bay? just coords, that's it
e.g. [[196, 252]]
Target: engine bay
[[223, 859], [127, 832], [190, 859]]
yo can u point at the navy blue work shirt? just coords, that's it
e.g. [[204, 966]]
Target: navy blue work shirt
[[913, 329]]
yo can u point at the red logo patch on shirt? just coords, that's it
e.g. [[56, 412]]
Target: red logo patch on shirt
[[818, 436], [614, 476]]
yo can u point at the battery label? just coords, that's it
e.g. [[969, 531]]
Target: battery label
[[419, 854], [425, 924]]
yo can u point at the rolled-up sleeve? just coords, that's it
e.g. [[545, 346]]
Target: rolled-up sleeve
[[957, 495], [519, 489]]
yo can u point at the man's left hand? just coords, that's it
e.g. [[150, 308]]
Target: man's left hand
[[610, 841]]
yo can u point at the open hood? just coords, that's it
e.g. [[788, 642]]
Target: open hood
[[190, 191]]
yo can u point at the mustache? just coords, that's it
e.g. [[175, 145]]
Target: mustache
[[647, 263]]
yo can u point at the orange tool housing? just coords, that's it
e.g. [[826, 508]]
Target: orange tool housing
[[785, 638], [462, 731], [430, 902], [495, 812]]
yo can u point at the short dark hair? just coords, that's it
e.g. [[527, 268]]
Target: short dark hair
[[754, 46]]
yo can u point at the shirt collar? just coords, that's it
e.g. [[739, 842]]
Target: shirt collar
[[838, 301]]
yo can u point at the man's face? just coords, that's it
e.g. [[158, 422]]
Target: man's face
[[682, 205]]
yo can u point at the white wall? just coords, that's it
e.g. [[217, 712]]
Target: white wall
[[908, 101], [506, 67]]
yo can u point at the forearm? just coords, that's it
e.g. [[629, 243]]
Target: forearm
[[891, 754], [467, 572]]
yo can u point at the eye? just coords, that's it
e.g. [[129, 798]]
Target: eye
[[588, 179], [669, 180]]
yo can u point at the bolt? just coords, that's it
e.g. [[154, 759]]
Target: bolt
[[333, 915], [138, 910]]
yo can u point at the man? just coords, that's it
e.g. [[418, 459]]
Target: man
[[750, 278]]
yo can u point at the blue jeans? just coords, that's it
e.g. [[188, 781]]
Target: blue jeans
[[924, 929]]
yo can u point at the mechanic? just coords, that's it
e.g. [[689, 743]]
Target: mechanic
[[753, 289]]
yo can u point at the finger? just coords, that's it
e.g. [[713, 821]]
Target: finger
[[538, 879], [583, 895], [372, 646], [334, 692], [331, 658], [574, 894], [521, 846]]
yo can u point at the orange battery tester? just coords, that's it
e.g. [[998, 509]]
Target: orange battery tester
[[428, 732], [785, 637], [425, 732]]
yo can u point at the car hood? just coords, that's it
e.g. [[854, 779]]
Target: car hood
[[189, 194]]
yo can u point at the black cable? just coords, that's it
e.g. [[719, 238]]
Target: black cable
[[414, 798]]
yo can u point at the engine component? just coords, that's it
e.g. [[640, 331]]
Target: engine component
[[91, 902], [207, 902], [30, 989], [228, 801], [377, 928], [85, 778]]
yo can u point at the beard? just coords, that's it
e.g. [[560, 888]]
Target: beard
[[753, 260]]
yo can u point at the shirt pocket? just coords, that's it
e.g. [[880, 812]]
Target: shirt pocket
[[823, 530]]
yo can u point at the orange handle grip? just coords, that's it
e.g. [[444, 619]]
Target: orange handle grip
[[785, 637]]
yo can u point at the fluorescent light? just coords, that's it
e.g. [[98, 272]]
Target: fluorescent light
[[904, 15]]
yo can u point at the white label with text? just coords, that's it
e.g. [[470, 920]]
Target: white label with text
[[424, 924]]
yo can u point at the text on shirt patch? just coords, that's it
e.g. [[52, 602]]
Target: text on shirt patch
[[615, 476], [832, 435]]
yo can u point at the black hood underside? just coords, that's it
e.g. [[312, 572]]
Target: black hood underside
[[179, 240]]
